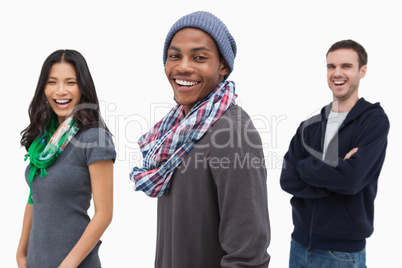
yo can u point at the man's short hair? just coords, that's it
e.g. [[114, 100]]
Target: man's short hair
[[361, 52]]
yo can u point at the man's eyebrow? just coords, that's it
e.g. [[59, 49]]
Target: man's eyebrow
[[200, 48], [174, 48], [343, 64], [192, 50]]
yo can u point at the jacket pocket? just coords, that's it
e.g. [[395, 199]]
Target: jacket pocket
[[302, 211], [332, 218]]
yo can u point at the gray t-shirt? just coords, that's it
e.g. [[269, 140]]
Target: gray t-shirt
[[216, 213], [335, 120], [62, 198]]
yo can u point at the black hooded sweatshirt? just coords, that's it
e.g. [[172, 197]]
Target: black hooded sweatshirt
[[333, 199]]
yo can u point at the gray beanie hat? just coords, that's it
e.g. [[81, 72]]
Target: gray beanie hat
[[211, 25]]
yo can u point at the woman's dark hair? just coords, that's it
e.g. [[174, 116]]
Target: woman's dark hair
[[86, 113]]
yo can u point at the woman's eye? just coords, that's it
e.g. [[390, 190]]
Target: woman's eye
[[71, 83], [200, 58], [51, 82]]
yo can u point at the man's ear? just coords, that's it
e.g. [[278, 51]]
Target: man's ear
[[224, 68], [363, 71]]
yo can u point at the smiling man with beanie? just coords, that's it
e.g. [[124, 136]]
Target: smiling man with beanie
[[204, 159]]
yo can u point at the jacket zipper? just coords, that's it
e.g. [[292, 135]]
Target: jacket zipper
[[323, 130], [311, 226]]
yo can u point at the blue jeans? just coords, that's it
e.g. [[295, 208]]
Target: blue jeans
[[301, 257]]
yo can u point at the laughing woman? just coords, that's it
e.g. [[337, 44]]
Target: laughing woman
[[71, 158]]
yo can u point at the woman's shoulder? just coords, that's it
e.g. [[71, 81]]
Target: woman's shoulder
[[93, 137], [97, 144], [93, 133]]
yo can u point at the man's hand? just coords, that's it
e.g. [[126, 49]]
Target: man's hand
[[351, 152]]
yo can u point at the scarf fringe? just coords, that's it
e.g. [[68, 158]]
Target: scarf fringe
[[43, 172]]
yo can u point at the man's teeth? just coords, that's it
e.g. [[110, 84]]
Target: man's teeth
[[62, 101], [339, 82], [186, 83]]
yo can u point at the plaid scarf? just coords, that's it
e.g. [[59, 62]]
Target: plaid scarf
[[45, 149], [166, 145]]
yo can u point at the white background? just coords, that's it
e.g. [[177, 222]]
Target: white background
[[280, 76]]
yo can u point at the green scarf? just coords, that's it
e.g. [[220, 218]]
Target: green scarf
[[45, 149]]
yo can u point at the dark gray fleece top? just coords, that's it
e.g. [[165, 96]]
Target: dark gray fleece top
[[62, 198], [215, 213]]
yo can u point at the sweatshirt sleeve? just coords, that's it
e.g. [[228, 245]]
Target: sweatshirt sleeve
[[244, 228], [290, 180], [351, 175]]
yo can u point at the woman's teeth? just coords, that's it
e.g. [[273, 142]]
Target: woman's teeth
[[62, 101]]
